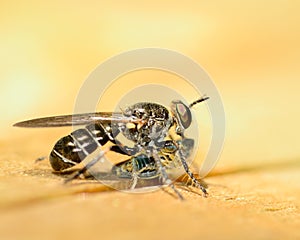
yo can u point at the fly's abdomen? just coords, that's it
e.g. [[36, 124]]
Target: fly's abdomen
[[65, 154], [74, 148]]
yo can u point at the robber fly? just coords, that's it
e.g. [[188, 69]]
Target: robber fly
[[156, 133]]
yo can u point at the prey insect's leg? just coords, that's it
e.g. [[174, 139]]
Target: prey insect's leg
[[88, 165], [191, 175], [165, 177]]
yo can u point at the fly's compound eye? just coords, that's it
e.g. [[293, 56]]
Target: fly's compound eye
[[182, 114]]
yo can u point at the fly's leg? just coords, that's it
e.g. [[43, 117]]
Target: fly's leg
[[164, 175], [190, 174], [39, 159], [134, 175], [88, 165], [122, 149]]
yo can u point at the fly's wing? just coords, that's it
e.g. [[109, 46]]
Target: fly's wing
[[76, 119]]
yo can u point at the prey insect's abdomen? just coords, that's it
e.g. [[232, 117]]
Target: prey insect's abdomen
[[144, 166], [141, 164], [74, 148]]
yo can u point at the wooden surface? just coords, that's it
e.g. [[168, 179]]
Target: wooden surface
[[258, 202]]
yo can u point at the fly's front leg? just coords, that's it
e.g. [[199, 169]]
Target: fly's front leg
[[134, 174], [190, 174], [164, 175]]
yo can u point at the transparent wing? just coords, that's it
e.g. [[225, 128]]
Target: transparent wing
[[76, 119]]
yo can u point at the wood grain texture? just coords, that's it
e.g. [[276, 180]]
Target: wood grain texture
[[258, 202]]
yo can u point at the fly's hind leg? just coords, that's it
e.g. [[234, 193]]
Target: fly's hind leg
[[164, 175], [40, 159], [129, 151], [88, 165]]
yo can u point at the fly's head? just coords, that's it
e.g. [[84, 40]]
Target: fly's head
[[182, 116]]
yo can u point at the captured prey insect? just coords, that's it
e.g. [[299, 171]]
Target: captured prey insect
[[156, 134]]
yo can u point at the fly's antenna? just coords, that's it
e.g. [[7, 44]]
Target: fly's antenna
[[204, 98]]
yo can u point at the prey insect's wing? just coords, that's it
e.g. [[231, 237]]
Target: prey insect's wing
[[77, 119]]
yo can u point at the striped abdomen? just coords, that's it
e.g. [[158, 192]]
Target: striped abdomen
[[144, 166], [74, 148]]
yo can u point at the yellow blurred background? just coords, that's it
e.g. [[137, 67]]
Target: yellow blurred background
[[249, 48]]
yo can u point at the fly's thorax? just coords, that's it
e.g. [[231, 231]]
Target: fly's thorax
[[155, 121]]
